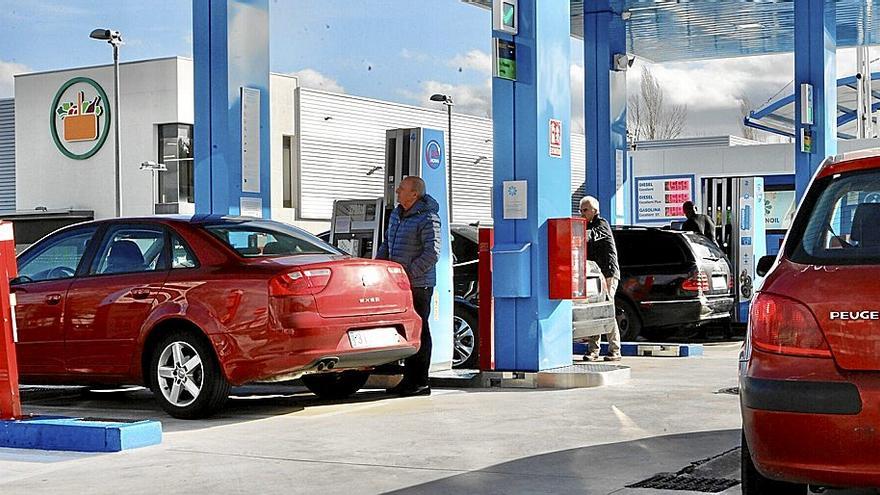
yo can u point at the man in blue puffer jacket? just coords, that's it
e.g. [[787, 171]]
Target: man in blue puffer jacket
[[413, 240]]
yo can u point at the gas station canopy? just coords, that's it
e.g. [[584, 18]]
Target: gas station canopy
[[673, 30], [778, 116]]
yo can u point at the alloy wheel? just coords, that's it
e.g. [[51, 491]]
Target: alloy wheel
[[463, 341], [181, 374]]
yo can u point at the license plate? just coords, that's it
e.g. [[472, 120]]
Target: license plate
[[719, 282], [374, 337]]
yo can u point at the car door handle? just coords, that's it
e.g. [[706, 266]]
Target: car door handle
[[53, 299], [140, 293]]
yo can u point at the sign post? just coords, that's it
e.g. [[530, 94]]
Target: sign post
[[10, 400]]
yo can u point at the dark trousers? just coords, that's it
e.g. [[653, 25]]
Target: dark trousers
[[417, 365]]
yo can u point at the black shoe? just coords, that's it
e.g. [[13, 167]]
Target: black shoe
[[414, 390], [400, 387]]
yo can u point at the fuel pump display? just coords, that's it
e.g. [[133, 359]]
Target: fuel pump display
[[357, 225]]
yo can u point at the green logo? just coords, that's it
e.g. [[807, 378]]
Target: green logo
[[80, 116]]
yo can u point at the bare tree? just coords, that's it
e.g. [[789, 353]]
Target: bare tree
[[745, 107], [648, 115]]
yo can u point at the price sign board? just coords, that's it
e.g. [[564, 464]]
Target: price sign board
[[659, 199]]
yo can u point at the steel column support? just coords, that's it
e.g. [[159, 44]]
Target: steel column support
[[532, 332], [815, 45], [230, 52], [605, 110]]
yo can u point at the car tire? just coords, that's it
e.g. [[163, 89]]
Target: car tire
[[190, 384], [335, 386], [754, 483], [628, 320], [465, 339]]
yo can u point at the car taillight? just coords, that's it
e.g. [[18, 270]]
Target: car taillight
[[399, 276], [300, 282], [698, 282], [784, 326]]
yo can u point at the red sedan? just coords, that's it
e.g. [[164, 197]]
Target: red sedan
[[810, 369], [191, 306]]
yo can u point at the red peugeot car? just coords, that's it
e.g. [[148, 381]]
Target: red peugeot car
[[810, 369], [192, 306]]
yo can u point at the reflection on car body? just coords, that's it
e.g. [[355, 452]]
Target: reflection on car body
[[191, 306], [809, 378]]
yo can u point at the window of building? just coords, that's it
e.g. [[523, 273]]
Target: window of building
[[176, 185]]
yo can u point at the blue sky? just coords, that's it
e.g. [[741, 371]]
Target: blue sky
[[399, 50], [386, 49]]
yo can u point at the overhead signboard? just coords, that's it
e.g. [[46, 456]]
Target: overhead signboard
[[659, 199]]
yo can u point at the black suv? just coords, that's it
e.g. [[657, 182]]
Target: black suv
[[669, 280], [591, 316]]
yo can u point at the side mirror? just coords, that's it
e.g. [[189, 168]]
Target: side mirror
[[765, 264]]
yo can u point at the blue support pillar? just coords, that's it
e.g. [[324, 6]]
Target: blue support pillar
[[605, 110], [231, 55], [815, 45], [532, 332]]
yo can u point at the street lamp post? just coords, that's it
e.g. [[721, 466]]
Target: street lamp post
[[447, 100], [115, 39]]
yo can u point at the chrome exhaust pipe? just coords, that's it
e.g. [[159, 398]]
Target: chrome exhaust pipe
[[320, 366], [331, 364]]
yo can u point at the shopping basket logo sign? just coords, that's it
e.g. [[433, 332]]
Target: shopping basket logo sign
[[80, 114]]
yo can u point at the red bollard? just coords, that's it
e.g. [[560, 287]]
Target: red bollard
[[487, 302], [10, 400]]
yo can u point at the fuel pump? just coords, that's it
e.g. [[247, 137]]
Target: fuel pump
[[358, 225], [736, 205], [420, 152]]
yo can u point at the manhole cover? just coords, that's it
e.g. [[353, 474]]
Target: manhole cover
[[668, 481]]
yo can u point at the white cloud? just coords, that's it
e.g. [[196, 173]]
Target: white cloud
[[7, 70], [577, 98], [712, 89], [408, 54], [476, 60], [472, 99], [310, 78]]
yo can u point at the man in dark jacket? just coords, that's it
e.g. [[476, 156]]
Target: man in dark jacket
[[602, 250], [697, 222], [413, 240]]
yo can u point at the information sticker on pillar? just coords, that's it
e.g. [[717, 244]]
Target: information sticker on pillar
[[555, 138], [250, 140], [516, 200]]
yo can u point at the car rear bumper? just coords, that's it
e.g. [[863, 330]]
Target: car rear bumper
[[823, 431], [592, 319], [685, 311], [275, 352]]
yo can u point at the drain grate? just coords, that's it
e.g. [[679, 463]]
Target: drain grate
[[731, 391], [669, 481]]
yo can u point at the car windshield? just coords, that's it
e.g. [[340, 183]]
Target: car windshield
[[260, 238], [838, 224]]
